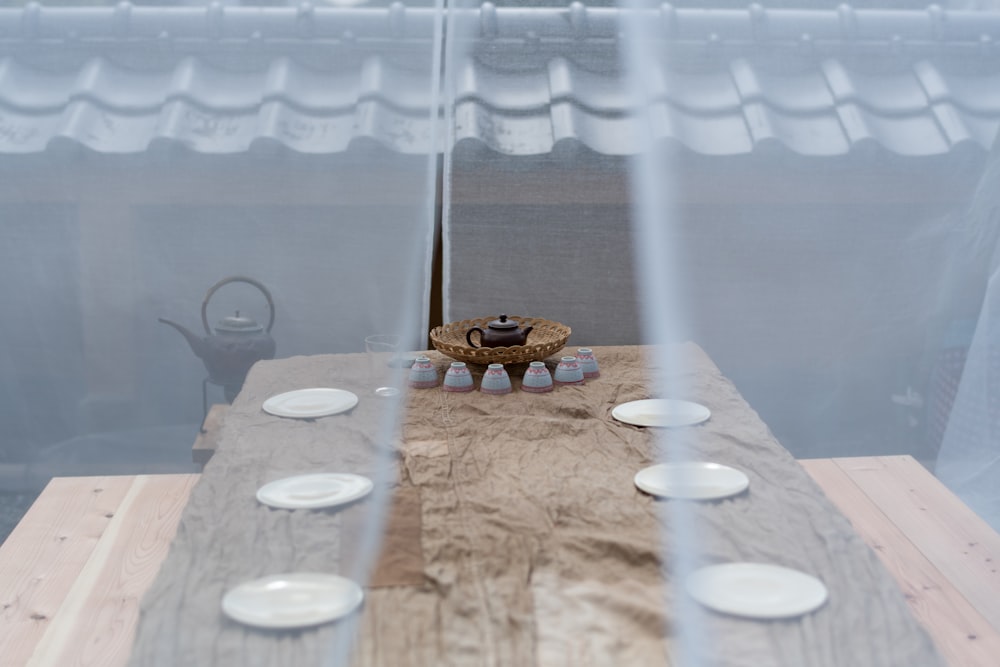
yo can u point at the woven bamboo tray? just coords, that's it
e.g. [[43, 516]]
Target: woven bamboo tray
[[546, 338]]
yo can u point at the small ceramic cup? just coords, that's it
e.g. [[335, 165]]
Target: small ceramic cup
[[458, 378], [568, 372], [495, 380], [423, 374], [588, 363], [537, 379]]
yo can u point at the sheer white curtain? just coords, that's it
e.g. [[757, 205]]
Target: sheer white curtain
[[812, 163], [788, 188], [148, 152], [964, 398], [801, 185]]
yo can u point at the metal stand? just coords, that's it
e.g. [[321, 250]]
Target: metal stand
[[204, 404]]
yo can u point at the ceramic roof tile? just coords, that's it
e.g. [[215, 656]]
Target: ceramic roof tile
[[911, 136], [117, 87], [516, 134], [895, 92], [839, 80], [982, 130], [592, 90], [26, 132], [975, 92], [807, 135], [705, 92], [759, 123], [282, 125], [745, 77], [606, 135], [854, 122], [203, 80], [798, 92], [933, 82], [951, 123], [707, 135], [522, 90], [30, 89]]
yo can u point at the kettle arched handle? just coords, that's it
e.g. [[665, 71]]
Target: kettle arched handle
[[468, 337], [236, 279]]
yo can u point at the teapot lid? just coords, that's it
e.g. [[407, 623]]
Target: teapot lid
[[238, 324], [503, 323]]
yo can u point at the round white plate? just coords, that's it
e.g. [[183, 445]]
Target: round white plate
[[693, 480], [292, 600], [756, 590], [325, 489], [310, 403], [666, 412]]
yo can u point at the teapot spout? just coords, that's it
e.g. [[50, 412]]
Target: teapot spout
[[195, 341]]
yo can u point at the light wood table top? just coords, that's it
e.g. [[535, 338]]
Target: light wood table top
[[942, 555], [72, 572], [74, 569]]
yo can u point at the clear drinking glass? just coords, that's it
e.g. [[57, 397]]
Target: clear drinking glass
[[384, 364]]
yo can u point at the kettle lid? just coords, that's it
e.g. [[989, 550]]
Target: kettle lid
[[238, 324], [503, 323]]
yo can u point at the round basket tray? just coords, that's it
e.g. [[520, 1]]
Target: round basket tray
[[546, 338]]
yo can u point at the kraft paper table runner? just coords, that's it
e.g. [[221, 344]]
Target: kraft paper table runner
[[536, 547]]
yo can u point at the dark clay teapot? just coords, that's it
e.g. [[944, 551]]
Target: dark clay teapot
[[500, 333], [237, 344]]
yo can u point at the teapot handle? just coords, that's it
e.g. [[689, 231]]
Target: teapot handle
[[236, 279], [468, 337]]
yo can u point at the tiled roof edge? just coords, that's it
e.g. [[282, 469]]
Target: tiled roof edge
[[754, 24]]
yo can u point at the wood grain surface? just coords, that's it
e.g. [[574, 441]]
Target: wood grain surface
[[74, 569], [939, 552]]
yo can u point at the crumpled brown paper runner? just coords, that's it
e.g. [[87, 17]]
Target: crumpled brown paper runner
[[400, 561], [536, 548]]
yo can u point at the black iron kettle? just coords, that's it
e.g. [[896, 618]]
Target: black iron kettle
[[237, 343]]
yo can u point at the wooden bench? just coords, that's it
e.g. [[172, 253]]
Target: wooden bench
[[942, 555], [74, 569]]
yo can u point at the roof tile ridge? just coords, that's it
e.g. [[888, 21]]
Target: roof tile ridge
[[752, 24]]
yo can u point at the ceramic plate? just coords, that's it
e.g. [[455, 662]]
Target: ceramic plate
[[692, 480], [292, 600], [756, 590], [314, 491], [310, 403], [661, 412]]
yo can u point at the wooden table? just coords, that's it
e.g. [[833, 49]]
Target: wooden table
[[74, 569], [530, 543], [942, 555], [67, 553], [63, 629]]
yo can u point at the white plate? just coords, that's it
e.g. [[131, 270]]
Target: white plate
[[292, 600], [325, 489], [310, 403], [661, 412], [756, 590], [693, 480]]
